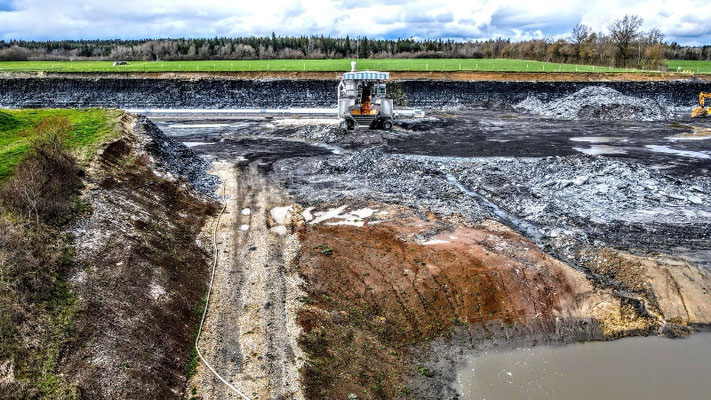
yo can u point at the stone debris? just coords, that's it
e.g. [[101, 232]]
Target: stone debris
[[176, 159], [596, 103], [581, 196]]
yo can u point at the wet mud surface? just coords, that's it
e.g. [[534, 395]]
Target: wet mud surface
[[602, 227]]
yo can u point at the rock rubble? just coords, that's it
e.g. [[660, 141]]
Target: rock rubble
[[596, 103]]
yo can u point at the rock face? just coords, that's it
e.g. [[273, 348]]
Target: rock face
[[596, 103], [129, 92]]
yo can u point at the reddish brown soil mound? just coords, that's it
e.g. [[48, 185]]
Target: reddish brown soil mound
[[377, 289]]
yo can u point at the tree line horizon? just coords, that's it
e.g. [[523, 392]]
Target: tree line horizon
[[623, 45]]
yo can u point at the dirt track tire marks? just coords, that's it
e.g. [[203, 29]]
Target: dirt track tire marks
[[250, 332]]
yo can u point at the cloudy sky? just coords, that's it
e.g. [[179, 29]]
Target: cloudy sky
[[684, 21]]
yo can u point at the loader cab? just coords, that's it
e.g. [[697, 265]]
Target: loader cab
[[362, 100]]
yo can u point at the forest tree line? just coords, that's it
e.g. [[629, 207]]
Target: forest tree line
[[624, 44]]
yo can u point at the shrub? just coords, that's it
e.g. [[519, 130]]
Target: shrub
[[43, 182]]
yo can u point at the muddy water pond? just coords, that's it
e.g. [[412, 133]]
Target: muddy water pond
[[647, 368]]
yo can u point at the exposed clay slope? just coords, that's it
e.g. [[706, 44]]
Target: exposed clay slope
[[678, 293], [377, 289], [139, 273]]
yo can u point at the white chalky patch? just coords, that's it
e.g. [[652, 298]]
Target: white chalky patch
[[279, 214], [279, 229], [351, 222], [307, 214], [156, 291], [244, 227], [435, 241], [363, 212], [326, 215], [246, 211]]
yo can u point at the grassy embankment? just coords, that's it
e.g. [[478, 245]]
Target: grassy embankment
[[41, 152], [88, 128], [471, 64]]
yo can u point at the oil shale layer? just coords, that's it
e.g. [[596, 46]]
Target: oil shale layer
[[214, 93]]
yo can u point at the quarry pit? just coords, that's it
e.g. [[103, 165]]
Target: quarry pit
[[371, 263]]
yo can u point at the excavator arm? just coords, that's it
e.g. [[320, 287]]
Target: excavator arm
[[702, 110]]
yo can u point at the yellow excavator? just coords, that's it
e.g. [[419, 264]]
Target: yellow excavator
[[701, 110]]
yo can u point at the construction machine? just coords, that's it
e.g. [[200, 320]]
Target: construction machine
[[702, 110], [362, 100]]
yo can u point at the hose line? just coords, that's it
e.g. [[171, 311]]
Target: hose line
[[207, 301]]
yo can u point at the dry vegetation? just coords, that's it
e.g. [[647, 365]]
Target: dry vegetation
[[100, 267], [36, 305]]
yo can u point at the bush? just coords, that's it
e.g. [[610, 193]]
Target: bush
[[43, 183]]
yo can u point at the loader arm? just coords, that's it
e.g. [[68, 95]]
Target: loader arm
[[702, 110]]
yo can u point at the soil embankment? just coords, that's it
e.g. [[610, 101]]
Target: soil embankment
[[139, 269], [396, 295], [405, 278]]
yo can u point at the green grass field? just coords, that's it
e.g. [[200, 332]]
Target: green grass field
[[699, 67], [471, 64], [304, 65], [89, 128]]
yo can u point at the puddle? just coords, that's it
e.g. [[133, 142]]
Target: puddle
[[193, 126], [690, 137], [595, 150], [647, 368], [684, 153], [195, 144], [593, 139]]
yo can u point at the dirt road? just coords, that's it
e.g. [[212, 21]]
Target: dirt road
[[250, 333]]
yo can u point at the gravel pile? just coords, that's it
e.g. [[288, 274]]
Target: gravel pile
[[596, 103], [175, 158], [372, 174], [574, 197], [596, 189]]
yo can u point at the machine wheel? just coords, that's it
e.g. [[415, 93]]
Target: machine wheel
[[387, 124], [350, 124]]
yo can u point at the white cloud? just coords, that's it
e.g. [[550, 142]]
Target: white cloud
[[680, 20]]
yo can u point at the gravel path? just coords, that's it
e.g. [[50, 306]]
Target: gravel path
[[250, 334]]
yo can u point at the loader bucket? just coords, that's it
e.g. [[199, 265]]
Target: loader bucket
[[699, 112]]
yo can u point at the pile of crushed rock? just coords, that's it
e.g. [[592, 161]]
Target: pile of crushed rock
[[595, 189], [176, 159], [373, 175], [580, 195], [596, 103]]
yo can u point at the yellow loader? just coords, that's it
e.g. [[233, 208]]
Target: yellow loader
[[701, 110]]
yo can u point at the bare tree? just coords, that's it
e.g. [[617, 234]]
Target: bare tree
[[580, 35], [15, 53], [623, 32]]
